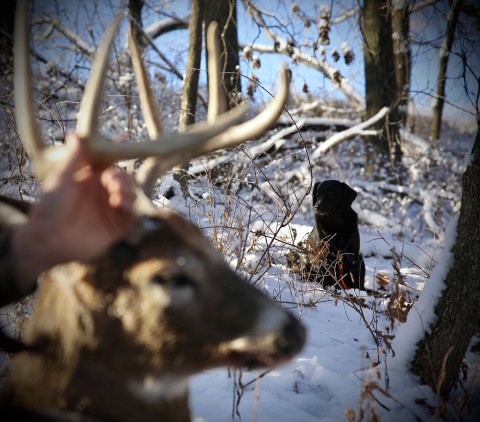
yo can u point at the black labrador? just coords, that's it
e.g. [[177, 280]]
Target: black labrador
[[337, 225]]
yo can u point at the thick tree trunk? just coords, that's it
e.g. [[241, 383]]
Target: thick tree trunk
[[7, 121], [192, 74], [442, 71], [401, 48], [380, 82], [224, 12], [458, 311], [7, 14], [135, 10], [188, 105]]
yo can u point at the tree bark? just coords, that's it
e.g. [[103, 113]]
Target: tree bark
[[7, 120], [442, 71], [190, 83], [457, 311], [401, 48], [135, 10], [7, 18], [380, 82], [224, 12]]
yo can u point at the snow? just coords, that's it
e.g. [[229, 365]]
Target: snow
[[422, 315], [354, 345], [353, 349]]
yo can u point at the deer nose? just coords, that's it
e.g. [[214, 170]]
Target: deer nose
[[293, 337]]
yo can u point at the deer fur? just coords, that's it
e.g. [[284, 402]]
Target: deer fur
[[119, 337]]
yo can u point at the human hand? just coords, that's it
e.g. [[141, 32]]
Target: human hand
[[81, 213]]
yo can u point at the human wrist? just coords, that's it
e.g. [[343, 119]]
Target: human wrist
[[30, 255]]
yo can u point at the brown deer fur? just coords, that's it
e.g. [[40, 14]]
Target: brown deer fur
[[118, 338]]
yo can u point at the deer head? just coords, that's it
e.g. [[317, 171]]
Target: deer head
[[118, 338]]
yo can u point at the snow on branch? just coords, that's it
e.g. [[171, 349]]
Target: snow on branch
[[357, 130], [70, 35], [252, 153], [281, 46], [325, 68], [163, 26]]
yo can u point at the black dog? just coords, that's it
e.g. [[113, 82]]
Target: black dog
[[337, 225]]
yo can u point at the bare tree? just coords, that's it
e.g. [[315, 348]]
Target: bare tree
[[380, 82], [7, 12], [293, 47], [442, 71], [135, 9], [440, 353], [224, 12], [192, 74], [190, 84], [401, 49]]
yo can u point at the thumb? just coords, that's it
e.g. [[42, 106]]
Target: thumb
[[67, 167]]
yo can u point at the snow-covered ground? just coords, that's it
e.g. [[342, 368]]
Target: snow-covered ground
[[254, 203], [348, 365]]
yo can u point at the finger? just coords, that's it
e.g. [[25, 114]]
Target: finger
[[119, 187], [65, 169]]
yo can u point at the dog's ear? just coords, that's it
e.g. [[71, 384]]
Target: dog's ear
[[315, 192], [349, 194]]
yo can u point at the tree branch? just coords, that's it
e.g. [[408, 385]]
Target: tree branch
[[349, 133], [282, 47]]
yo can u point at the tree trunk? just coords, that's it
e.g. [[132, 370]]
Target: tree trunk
[[7, 17], [224, 12], [135, 11], [380, 82], [190, 84], [442, 70], [7, 120], [401, 48], [457, 311]]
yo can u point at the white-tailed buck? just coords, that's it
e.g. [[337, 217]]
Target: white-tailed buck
[[118, 338]]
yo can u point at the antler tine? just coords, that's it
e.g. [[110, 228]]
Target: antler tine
[[252, 128], [234, 135], [216, 101], [152, 117], [41, 155], [164, 146], [151, 169], [87, 117], [154, 167]]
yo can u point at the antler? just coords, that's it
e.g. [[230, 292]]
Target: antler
[[250, 129], [170, 150], [232, 136]]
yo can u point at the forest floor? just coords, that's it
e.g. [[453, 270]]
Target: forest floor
[[254, 203]]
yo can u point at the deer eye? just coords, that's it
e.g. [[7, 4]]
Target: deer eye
[[173, 281]]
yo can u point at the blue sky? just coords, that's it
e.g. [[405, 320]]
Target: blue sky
[[79, 15], [427, 30]]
